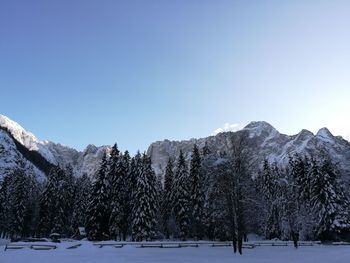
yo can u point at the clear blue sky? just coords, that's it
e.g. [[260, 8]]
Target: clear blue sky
[[81, 71]]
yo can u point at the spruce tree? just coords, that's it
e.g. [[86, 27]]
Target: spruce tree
[[97, 224], [181, 197], [196, 195], [19, 201], [81, 199], [56, 204], [329, 201], [267, 187], [115, 177], [127, 196], [120, 196], [145, 206], [166, 199], [300, 181]]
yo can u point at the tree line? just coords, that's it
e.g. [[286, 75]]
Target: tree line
[[200, 196]]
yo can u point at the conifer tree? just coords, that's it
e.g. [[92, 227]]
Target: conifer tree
[[128, 195], [120, 196], [19, 201], [329, 201], [300, 180], [166, 199], [267, 184], [2, 206], [181, 197], [145, 207], [196, 195], [55, 204], [81, 199], [97, 224], [115, 177]]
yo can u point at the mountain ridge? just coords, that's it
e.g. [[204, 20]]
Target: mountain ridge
[[267, 143]]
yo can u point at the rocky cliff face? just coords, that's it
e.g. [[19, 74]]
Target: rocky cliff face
[[264, 142], [16, 143]]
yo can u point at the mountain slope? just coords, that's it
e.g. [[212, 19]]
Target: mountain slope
[[17, 143], [264, 141]]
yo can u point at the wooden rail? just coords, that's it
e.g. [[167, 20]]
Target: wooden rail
[[35, 247]]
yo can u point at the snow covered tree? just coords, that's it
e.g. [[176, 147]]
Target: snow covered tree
[[206, 150], [270, 192], [166, 204], [115, 177], [196, 194], [216, 213], [19, 202], [329, 201], [97, 224], [81, 199], [145, 206], [239, 186], [56, 203], [18, 198], [300, 181], [120, 195], [181, 197], [128, 195], [3, 195]]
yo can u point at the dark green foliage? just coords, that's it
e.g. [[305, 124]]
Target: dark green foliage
[[145, 203], [166, 203], [97, 222], [196, 193], [56, 203], [120, 194], [181, 197], [81, 200], [328, 201]]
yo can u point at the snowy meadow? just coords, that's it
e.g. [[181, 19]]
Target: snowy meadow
[[90, 253]]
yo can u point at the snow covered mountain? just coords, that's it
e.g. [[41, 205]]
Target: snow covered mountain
[[265, 142], [16, 143]]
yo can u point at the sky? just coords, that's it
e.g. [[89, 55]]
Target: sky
[[134, 72]]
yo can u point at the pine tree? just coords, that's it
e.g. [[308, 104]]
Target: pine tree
[[181, 197], [166, 199], [206, 150], [19, 201], [145, 207], [128, 195], [6, 207], [2, 206], [196, 195], [120, 196], [56, 203], [329, 201], [300, 181], [268, 185], [81, 199], [97, 224], [115, 177]]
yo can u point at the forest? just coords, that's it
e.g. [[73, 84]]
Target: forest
[[201, 196]]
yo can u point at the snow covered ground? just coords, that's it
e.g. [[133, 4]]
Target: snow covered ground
[[89, 253]]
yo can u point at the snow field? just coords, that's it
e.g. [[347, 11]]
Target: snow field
[[89, 253]]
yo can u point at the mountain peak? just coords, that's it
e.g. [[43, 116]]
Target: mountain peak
[[27, 139], [18, 132], [259, 126], [325, 133]]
